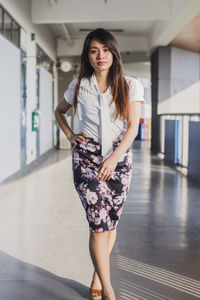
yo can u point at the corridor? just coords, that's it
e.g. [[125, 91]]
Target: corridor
[[44, 234]]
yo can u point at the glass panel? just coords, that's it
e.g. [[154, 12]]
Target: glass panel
[[1, 19], [43, 60], [7, 26], [16, 33]]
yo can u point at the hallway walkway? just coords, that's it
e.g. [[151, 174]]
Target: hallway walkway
[[44, 235]]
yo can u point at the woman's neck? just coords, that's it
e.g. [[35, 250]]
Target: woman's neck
[[102, 77]]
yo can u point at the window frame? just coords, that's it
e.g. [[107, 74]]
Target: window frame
[[14, 41]]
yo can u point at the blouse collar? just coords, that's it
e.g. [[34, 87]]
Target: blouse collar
[[93, 80]]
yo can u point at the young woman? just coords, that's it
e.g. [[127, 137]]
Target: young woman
[[107, 104]]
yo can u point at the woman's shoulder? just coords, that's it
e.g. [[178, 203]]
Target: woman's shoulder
[[134, 83], [73, 83], [130, 79], [84, 81], [136, 88]]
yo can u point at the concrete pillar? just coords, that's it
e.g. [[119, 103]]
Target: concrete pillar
[[173, 72], [154, 100]]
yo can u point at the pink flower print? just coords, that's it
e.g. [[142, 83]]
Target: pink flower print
[[99, 229], [130, 158], [83, 187], [97, 220], [91, 147], [77, 158], [95, 159], [83, 170], [97, 147], [102, 201], [125, 190], [112, 193], [125, 180], [93, 215], [123, 170], [83, 145], [103, 214], [121, 158], [89, 174], [91, 197], [117, 200], [115, 175], [108, 207], [109, 223], [103, 189], [119, 211], [89, 213]]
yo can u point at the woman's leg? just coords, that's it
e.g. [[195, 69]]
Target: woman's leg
[[112, 234], [99, 251]]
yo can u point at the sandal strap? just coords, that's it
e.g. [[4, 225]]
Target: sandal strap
[[95, 291]]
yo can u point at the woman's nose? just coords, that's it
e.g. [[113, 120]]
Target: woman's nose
[[101, 54]]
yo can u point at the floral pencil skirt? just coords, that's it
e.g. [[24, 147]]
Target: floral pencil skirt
[[102, 200]]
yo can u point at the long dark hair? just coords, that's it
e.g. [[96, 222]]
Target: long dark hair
[[116, 79]]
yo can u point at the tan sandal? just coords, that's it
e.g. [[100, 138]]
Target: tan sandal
[[95, 294]]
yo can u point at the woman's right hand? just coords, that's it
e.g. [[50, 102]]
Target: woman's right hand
[[77, 137]]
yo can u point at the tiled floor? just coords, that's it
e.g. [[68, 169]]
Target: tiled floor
[[44, 235]]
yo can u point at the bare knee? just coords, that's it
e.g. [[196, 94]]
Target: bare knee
[[114, 230], [97, 235]]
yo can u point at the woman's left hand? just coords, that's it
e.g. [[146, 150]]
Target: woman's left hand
[[107, 168]]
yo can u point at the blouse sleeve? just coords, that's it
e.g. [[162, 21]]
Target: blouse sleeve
[[69, 93], [136, 91]]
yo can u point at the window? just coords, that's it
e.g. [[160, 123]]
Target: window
[[15, 34], [44, 60], [9, 27], [1, 19]]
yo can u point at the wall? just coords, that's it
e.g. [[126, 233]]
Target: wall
[[178, 82], [20, 10], [45, 110], [64, 80], [177, 92], [10, 99]]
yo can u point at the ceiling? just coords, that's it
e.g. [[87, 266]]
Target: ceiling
[[142, 24], [189, 37], [130, 28]]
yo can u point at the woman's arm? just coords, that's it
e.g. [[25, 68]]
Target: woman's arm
[[60, 110], [131, 131], [109, 165]]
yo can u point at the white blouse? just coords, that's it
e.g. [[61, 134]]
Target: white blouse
[[95, 112]]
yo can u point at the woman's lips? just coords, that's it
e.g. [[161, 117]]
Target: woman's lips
[[101, 63]]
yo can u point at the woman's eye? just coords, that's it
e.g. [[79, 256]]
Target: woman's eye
[[94, 51]]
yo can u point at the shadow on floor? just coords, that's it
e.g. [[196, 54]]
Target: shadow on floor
[[23, 281]]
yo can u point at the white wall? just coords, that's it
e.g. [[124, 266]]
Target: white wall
[[10, 102], [20, 10], [31, 101], [178, 82], [185, 101], [45, 111], [55, 72], [138, 69]]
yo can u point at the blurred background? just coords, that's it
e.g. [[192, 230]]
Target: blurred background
[[43, 230], [40, 46]]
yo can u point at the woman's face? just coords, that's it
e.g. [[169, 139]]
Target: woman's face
[[100, 57]]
